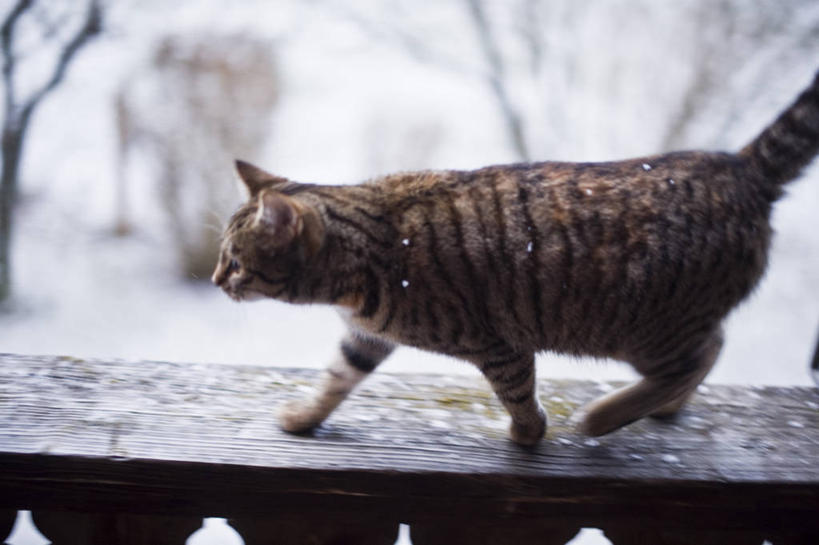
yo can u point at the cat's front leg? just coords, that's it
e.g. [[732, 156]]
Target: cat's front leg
[[512, 376], [359, 354]]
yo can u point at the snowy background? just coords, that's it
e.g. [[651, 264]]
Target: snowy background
[[368, 87]]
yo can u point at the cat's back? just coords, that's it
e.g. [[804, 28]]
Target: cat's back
[[582, 213]]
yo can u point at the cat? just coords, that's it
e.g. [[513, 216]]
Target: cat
[[637, 260]]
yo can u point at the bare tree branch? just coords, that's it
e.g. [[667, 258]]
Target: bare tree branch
[[91, 26], [421, 50], [493, 74], [6, 37], [18, 113], [496, 78], [417, 48], [529, 28], [50, 27]]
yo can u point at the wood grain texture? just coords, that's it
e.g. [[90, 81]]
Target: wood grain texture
[[202, 440]]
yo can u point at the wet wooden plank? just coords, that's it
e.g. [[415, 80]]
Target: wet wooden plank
[[194, 439]]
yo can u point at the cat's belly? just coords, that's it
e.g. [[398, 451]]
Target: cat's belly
[[440, 324]]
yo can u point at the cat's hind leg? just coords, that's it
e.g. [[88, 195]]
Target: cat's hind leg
[[674, 406], [705, 357], [359, 354], [663, 391], [512, 377]]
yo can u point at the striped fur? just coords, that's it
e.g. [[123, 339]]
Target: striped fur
[[638, 260]]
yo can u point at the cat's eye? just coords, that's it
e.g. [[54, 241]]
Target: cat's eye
[[233, 266]]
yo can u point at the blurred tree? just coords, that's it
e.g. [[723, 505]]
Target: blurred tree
[[19, 109], [203, 101], [495, 75], [559, 72], [485, 62], [727, 41], [406, 147]]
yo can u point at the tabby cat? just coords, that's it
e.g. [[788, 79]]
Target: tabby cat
[[637, 260]]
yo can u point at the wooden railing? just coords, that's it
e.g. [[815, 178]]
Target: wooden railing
[[106, 452]]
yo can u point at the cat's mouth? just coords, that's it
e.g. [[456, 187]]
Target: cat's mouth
[[238, 289], [243, 295], [247, 296]]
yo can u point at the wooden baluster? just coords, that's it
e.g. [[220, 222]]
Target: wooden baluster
[[70, 528], [314, 531], [7, 518], [623, 535], [502, 533]]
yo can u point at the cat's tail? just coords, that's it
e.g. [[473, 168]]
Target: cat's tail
[[789, 144]]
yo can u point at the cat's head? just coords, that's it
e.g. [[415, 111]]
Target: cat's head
[[269, 240]]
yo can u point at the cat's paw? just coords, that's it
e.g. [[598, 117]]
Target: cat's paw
[[298, 416], [529, 433], [594, 421], [595, 425]]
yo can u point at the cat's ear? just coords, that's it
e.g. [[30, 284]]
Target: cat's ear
[[256, 179], [279, 217], [283, 220]]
